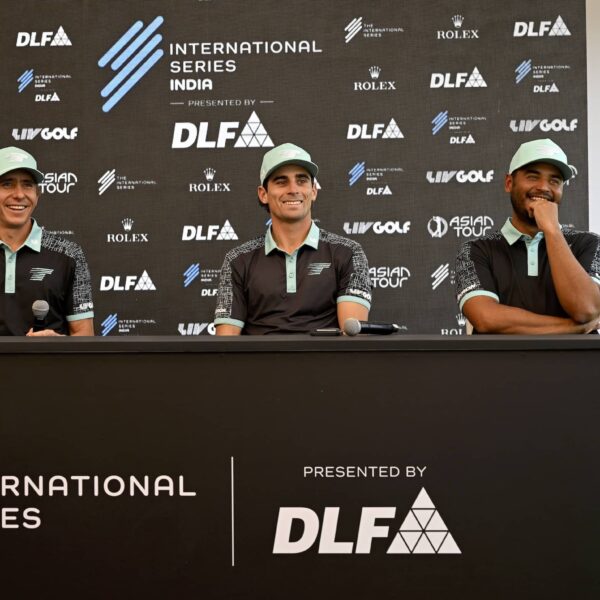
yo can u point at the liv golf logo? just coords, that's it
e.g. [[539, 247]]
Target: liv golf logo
[[130, 57], [422, 531]]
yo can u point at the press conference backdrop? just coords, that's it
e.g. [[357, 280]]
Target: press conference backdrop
[[151, 119]]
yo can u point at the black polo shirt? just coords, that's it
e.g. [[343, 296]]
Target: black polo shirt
[[264, 290], [46, 267], [513, 268]]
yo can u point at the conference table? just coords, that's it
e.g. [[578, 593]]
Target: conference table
[[300, 467]]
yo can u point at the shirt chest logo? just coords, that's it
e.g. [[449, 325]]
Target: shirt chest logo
[[317, 268], [38, 273]]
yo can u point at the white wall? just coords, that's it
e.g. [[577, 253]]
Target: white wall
[[593, 79]]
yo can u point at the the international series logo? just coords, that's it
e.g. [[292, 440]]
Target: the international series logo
[[108, 324], [25, 79], [131, 57], [190, 274]]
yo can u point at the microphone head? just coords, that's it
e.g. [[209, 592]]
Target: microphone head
[[40, 309], [351, 327]]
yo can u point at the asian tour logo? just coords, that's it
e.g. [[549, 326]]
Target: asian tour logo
[[423, 531], [131, 57], [463, 225]]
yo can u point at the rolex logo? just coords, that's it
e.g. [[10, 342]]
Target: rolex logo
[[458, 21], [461, 320], [127, 224], [374, 71], [209, 174]]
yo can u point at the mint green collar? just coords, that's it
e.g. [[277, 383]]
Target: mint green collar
[[312, 239], [34, 239], [512, 234]]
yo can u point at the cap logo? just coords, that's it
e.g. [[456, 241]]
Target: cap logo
[[289, 153], [16, 157]]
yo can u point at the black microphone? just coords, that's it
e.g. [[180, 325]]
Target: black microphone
[[40, 309], [354, 327]]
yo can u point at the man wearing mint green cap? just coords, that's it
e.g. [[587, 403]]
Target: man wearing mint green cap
[[296, 277], [37, 265], [534, 276]]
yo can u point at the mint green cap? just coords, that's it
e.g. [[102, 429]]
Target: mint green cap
[[286, 154], [544, 150], [12, 158]]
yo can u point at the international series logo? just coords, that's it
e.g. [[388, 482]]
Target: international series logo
[[132, 56], [367, 30], [459, 129], [121, 182], [197, 66], [43, 84], [112, 323], [207, 278], [545, 76], [373, 175]]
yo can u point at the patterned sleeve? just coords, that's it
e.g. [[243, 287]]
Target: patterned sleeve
[[589, 257], [80, 304], [354, 283], [231, 302], [473, 274]]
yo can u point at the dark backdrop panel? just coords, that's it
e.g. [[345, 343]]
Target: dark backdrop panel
[[348, 66]]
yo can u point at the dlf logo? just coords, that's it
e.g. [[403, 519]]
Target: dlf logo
[[422, 531], [198, 233], [357, 131], [60, 38], [143, 283], [253, 135], [446, 80], [532, 29]]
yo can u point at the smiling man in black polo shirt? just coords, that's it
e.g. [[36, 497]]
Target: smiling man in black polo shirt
[[37, 265], [534, 276], [296, 277]]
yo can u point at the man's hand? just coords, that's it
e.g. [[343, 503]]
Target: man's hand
[[590, 326], [545, 214], [43, 333]]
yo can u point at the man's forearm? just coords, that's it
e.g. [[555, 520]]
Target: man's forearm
[[577, 293], [493, 317]]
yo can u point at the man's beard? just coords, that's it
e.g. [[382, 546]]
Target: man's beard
[[522, 213]]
